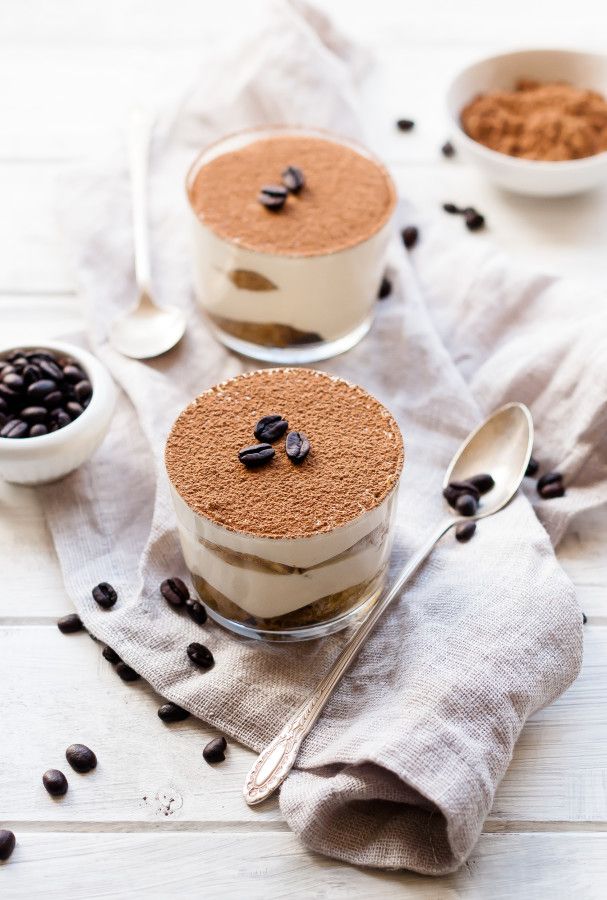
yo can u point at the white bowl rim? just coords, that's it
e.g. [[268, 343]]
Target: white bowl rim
[[585, 162], [92, 368]]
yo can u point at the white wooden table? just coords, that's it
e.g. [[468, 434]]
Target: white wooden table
[[154, 820]]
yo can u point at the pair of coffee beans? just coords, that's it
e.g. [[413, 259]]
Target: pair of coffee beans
[[80, 757], [274, 196], [177, 594]]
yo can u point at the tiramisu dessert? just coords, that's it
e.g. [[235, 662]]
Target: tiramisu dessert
[[284, 483], [290, 234]]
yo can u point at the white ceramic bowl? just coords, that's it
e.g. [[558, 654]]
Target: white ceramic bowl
[[526, 176], [36, 460]]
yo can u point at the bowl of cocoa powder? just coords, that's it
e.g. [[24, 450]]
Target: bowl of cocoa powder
[[534, 121]]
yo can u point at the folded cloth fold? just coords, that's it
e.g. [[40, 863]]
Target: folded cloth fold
[[402, 768]]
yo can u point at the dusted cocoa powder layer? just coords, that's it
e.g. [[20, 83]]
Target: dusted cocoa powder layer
[[355, 461], [346, 198]]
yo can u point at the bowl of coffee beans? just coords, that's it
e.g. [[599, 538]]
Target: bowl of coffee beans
[[56, 404]]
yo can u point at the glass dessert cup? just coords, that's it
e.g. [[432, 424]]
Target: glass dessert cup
[[287, 307], [288, 589]]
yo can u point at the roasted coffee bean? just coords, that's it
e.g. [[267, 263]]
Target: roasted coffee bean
[[452, 209], [33, 414], [126, 673], [37, 430], [105, 595], [584, 618], [385, 289], [170, 712], [297, 446], [464, 531], [552, 490], [473, 219], [174, 591], [50, 369], [74, 409], [31, 373], [200, 655], [483, 482], [215, 750], [549, 478], [38, 390], [405, 124], [466, 487], [7, 843], [466, 504], [410, 234], [14, 428], [55, 782], [533, 467], [83, 390], [273, 196], [254, 456], [448, 149], [8, 394], [70, 624], [111, 655], [196, 611], [81, 758], [3, 405], [3, 420], [53, 400], [293, 179], [451, 494], [270, 428], [73, 373], [13, 381]]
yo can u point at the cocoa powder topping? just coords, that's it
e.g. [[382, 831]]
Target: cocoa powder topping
[[354, 462], [345, 199]]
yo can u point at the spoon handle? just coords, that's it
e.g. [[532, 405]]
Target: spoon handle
[[140, 128], [275, 762]]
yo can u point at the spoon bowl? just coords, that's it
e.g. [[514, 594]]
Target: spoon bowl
[[148, 330]]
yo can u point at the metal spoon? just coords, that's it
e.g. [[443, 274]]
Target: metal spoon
[[500, 446], [146, 330]]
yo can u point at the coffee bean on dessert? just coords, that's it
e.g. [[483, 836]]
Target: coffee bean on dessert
[[273, 196], [83, 390], [256, 455], [174, 591], [293, 179], [270, 428], [452, 209], [196, 611], [385, 289], [533, 467], [170, 712], [464, 531], [482, 482], [200, 655], [7, 843], [552, 490], [473, 219], [405, 124], [297, 446], [448, 149], [15, 428], [111, 655], [70, 624], [126, 673], [466, 504], [410, 234], [55, 782], [38, 390], [81, 758], [215, 750], [105, 595]]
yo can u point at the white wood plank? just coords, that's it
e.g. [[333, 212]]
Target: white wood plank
[[162, 867]]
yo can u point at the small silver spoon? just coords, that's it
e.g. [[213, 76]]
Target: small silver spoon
[[501, 446], [146, 330]]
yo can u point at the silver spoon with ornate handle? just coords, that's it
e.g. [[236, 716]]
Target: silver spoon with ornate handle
[[502, 446]]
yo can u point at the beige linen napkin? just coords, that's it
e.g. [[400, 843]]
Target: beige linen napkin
[[403, 766]]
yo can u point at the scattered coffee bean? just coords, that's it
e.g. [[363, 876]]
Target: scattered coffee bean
[[174, 591], [111, 655], [7, 843], [466, 504], [584, 618], [482, 482], [473, 219], [256, 455], [15, 428], [81, 758], [297, 446], [549, 478], [464, 531], [170, 712], [452, 209], [55, 782], [533, 467], [405, 124], [273, 196], [200, 655], [410, 236], [552, 490], [196, 611], [215, 750], [385, 289], [105, 595], [270, 428], [293, 179], [126, 673], [448, 149], [70, 624]]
